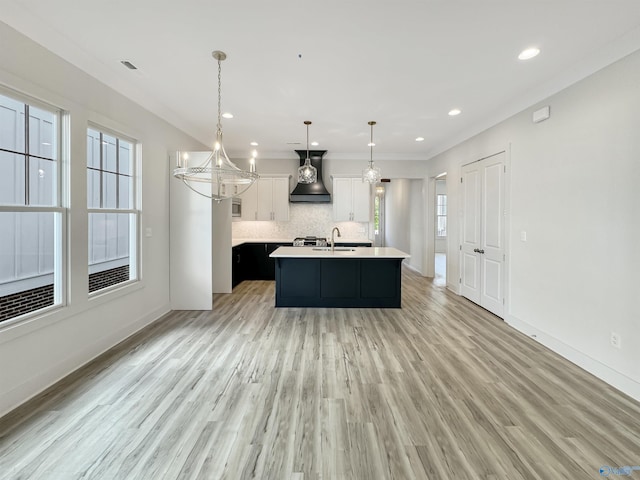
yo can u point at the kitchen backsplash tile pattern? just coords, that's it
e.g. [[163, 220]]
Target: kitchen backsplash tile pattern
[[304, 219]]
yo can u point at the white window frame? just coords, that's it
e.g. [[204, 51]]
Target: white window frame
[[438, 215], [61, 211], [134, 212]]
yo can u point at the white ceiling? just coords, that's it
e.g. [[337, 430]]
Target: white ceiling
[[338, 63]]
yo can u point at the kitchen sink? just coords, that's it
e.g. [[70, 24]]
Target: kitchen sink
[[337, 249]]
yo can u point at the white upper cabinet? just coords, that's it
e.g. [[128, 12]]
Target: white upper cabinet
[[351, 200], [250, 203], [267, 200]]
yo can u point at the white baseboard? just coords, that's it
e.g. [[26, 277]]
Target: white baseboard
[[11, 399], [605, 373], [414, 269]]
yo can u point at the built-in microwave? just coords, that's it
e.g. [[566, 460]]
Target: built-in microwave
[[236, 207]]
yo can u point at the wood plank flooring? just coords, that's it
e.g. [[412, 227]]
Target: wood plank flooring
[[439, 389]]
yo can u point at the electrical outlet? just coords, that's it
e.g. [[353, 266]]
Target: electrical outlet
[[615, 340]]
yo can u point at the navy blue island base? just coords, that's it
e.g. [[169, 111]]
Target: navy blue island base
[[338, 282]]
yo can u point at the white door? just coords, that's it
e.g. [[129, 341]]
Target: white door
[[482, 261]]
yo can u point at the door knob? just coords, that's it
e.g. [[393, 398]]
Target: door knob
[[481, 251], [476, 250]]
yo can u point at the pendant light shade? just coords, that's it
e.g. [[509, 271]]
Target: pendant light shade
[[371, 174], [226, 179], [307, 173]]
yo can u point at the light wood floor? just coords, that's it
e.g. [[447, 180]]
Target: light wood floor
[[440, 389]]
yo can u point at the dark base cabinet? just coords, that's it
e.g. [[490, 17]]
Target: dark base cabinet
[[251, 261], [237, 273], [326, 282]]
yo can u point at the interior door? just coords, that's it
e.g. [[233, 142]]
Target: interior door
[[471, 233], [483, 252]]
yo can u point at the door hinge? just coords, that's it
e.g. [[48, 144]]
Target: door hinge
[[460, 247], [503, 301], [505, 169], [504, 256], [460, 280], [460, 179]]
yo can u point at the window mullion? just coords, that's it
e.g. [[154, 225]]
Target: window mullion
[[101, 140], [26, 155], [117, 172]]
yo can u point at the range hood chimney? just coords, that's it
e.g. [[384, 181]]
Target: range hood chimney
[[311, 192]]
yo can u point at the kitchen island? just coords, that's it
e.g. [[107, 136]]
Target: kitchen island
[[361, 277]]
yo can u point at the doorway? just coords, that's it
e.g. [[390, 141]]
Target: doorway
[[482, 236], [440, 224]]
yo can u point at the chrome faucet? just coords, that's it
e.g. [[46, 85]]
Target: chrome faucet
[[333, 242]]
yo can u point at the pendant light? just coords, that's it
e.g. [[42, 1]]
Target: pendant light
[[371, 174], [307, 173], [225, 178]]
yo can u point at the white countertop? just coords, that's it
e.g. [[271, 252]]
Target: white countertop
[[240, 241], [340, 252]]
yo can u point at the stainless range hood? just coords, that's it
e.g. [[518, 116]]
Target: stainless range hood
[[311, 192]]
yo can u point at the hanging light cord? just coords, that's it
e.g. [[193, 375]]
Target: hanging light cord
[[371, 144], [219, 126], [307, 140]]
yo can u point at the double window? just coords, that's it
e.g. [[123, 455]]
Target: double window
[[31, 211], [113, 218]]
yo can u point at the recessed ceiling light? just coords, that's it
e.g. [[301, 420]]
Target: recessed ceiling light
[[314, 144], [529, 53], [254, 144], [227, 115], [454, 112], [420, 139]]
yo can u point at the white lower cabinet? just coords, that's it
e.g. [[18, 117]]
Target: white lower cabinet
[[351, 200], [267, 200]]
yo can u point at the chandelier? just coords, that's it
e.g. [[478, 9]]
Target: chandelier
[[371, 174], [307, 173], [225, 178]]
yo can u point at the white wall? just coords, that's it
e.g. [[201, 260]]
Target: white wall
[[574, 190], [191, 262], [44, 349], [221, 246], [417, 232], [397, 225]]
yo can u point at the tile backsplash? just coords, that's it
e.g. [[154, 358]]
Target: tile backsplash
[[304, 219]]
